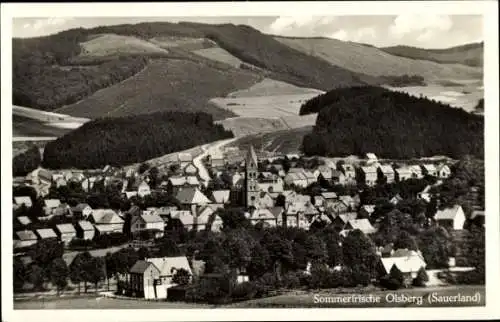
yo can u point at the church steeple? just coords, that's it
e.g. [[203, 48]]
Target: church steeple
[[251, 175]]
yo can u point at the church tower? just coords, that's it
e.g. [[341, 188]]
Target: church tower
[[251, 175]]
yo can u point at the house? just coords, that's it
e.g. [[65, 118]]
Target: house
[[88, 183], [443, 171], [65, 232], [176, 184], [350, 202], [387, 171], [329, 196], [430, 170], [85, 230], [207, 219], [130, 194], [168, 266], [336, 207], [192, 196], [264, 216], [451, 218], [270, 183], [143, 189], [366, 211], [425, 194], [106, 221], [190, 170], [185, 217], [46, 233], [23, 220], [370, 175], [362, 224], [297, 179], [349, 173], [50, 205], [372, 158], [184, 159], [147, 221], [338, 177], [82, 210], [408, 262], [25, 238], [221, 196], [310, 177], [323, 172], [23, 200], [60, 182], [416, 171], [265, 201], [62, 210], [278, 213], [403, 173], [217, 160], [340, 221], [143, 281], [396, 199]]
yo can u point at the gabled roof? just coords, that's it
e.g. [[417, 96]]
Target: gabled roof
[[204, 215], [262, 214], [66, 228], [347, 217], [46, 233], [369, 169], [221, 196], [23, 200], [348, 167], [477, 213], [309, 209], [104, 228], [406, 264], [403, 170], [80, 207], [141, 266], [106, 216], [429, 167], [192, 196], [329, 195], [371, 156], [386, 169], [448, 213], [180, 181], [85, 225], [151, 218], [168, 265], [26, 235], [52, 203], [24, 220], [415, 169], [276, 211], [184, 216], [185, 157], [368, 208], [362, 224]]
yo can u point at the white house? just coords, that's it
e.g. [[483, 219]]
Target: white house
[[404, 173], [24, 200], [143, 189], [451, 218], [147, 221], [388, 172], [444, 171], [66, 232], [430, 169], [370, 175], [85, 230]]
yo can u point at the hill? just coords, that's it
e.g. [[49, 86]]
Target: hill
[[57, 70], [378, 62], [470, 54], [124, 140], [391, 125]]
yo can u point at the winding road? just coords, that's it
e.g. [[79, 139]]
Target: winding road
[[209, 148]]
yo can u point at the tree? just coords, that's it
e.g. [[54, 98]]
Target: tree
[[143, 253], [59, 274], [260, 262], [396, 275], [421, 278], [435, 245], [405, 240], [359, 252], [77, 269], [45, 251], [237, 247], [431, 208], [279, 249], [143, 167], [19, 273], [167, 247], [316, 250], [181, 277], [233, 219], [26, 162], [37, 277], [95, 271]]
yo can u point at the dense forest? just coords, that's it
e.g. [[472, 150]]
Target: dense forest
[[49, 73], [26, 162], [391, 125], [404, 80], [126, 140]]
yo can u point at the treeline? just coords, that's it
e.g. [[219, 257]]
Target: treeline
[[404, 80], [390, 124], [125, 140], [24, 163]]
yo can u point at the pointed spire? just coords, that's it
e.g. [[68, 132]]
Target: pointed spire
[[252, 156]]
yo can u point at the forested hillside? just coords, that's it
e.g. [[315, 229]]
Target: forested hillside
[[52, 71], [470, 54], [124, 140], [391, 125]]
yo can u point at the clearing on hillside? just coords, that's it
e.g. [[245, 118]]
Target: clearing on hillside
[[165, 84], [242, 126], [110, 44], [220, 55], [373, 61], [271, 87], [185, 43]]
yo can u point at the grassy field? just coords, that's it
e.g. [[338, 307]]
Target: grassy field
[[220, 55], [26, 127], [318, 299], [376, 62], [110, 44], [286, 141], [166, 84], [242, 126], [185, 43]]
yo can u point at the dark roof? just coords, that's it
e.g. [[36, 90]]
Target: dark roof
[[140, 267]]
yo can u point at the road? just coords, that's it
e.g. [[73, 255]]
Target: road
[[210, 148]]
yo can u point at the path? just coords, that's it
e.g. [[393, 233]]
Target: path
[[210, 148]]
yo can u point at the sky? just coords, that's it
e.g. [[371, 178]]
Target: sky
[[425, 31]]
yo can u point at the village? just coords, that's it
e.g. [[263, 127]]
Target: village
[[290, 191]]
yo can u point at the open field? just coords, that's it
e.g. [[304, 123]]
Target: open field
[[166, 84], [220, 55], [185, 43], [286, 141], [110, 44], [307, 300], [242, 126], [376, 62]]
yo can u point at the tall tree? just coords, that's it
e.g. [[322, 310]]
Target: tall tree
[[77, 269], [59, 274]]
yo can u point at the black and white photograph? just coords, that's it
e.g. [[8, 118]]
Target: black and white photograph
[[185, 157]]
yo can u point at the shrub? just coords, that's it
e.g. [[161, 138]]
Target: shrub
[[244, 291], [292, 279], [421, 278]]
